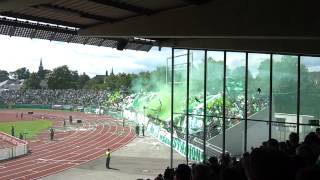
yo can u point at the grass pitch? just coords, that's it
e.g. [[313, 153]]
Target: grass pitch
[[28, 128]]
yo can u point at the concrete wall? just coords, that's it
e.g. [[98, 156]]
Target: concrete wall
[[257, 133]]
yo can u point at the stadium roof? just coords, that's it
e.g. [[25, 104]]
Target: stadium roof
[[253, 25], [61, 20]]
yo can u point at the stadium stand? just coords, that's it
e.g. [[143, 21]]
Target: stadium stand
[[48, 97]]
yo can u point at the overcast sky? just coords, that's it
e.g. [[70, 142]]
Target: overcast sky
[[16, 52], [25, 52]]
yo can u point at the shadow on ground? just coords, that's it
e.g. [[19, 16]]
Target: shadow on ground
[[144, 157]]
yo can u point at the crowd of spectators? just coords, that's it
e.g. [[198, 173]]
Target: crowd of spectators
[[51, 97], [273, 160]]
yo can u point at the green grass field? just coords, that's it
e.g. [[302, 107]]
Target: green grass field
[[31, 128]]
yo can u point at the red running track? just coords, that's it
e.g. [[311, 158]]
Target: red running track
[[69, 149]]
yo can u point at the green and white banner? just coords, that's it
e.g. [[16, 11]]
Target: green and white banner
[[179, 145]]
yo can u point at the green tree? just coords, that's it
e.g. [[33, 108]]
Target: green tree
[[124, 82], [4, 75], [111, 82], [141, 82], [284, 81], [92, 84], [83, 78], [74, 79], [21, 73], [33, 82], [63, 78]]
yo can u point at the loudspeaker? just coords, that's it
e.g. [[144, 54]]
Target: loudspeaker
[[122, 44]]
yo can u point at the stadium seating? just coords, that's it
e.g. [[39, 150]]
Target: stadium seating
[[275, 160]]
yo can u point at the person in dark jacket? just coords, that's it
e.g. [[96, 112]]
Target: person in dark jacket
[[108, 157]]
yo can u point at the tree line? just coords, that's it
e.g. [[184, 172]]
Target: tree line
[[64, 78]]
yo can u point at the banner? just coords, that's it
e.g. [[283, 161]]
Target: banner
[[179, 145]]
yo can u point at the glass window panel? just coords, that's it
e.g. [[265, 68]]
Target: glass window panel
[[153, 101], [214, 102], [179, 98], [235, 88], [309, 93], [284, 96], [258, 86], [258, 98], [258, 132], [196, 110], [305, 130]]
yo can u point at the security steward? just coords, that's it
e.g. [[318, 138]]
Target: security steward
[[137, 130], [108, 156], [12, 131], [51, 134], [143, 130]]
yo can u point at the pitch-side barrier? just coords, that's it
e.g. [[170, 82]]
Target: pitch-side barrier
[[19, 148]]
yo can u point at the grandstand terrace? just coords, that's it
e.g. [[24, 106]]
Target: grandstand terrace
[[52, 97]]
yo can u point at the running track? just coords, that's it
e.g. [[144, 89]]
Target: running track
[[69, 149]]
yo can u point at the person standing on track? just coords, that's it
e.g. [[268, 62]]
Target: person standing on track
[[137, 129], [70, 119], [142, 129], [51, 134], [12, 131], [108, 157]]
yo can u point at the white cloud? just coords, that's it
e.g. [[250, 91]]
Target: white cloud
[[19, 52]]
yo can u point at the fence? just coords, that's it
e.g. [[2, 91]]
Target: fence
[[20, 147], [65, 107], [179, 145], [162, 135]]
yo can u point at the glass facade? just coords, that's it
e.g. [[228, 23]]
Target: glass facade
[[233, 101]]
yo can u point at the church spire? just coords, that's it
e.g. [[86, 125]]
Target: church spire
[[41, 72], [111, 72], [41, 63]]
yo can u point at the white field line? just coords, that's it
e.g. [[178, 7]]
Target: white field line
[[86, 160], [51, 146], [40, 145], [48, 154], [45, 151], [80, 150], [89, 154], [16, 170]]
